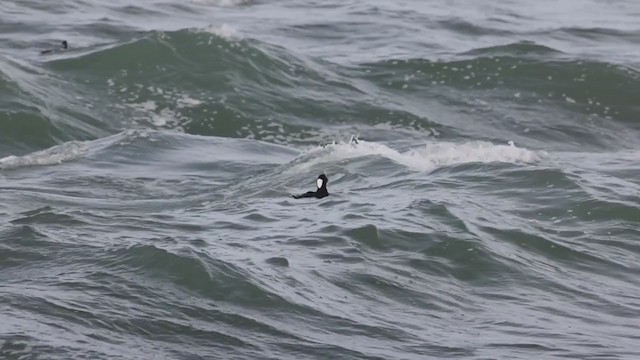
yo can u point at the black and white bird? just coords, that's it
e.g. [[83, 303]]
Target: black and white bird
[[321, 192]]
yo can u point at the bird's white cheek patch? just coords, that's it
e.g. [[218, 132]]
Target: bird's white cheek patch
[[319, 183]]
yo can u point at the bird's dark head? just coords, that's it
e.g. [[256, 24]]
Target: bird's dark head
[[322, 181]]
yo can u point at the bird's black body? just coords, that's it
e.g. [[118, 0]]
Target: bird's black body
[[318, 194]]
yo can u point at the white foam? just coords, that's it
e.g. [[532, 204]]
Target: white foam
[[51, 156], [430, 156], [219, 2], [148, 105], [224, 31], [186, 101], [164, 118]]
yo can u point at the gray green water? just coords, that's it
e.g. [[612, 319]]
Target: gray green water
[[489, 210]]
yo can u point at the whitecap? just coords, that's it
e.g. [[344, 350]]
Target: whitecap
[[429, 156], [54, 155]]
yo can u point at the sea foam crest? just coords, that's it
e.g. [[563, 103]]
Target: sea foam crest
[[429, 156], [51, 156], [224, 3], [224, 31]]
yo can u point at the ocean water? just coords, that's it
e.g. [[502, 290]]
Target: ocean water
[[483, 162]]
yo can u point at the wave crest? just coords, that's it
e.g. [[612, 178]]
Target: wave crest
[[429, 156], [51, 156]]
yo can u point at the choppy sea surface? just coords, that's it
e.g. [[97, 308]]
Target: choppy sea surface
[[483, 162]]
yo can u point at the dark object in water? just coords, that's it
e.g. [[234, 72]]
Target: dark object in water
[[63, 46], [318, 194]]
